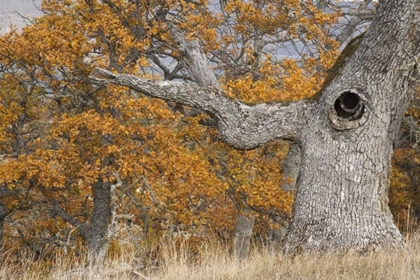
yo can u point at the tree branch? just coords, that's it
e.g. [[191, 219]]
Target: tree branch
[[240, 125], [196, 60], [84, 230]]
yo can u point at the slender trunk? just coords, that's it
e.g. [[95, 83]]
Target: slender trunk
[[1, 234], [276, 235], [96, 234], [3, 215], [101, 217], [291, 167], [243, 234]]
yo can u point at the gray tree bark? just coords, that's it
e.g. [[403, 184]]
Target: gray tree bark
[[346, 132], [342, 196], [291, 167], [243, 233]]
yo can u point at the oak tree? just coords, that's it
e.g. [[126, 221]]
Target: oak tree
[[346, 132]]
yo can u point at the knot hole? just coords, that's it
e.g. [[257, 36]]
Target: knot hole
[[349, 106]]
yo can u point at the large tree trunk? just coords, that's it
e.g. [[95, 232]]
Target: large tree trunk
[[346, 133], [348, 139]]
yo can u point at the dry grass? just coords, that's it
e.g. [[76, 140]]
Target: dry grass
[[216, 263]]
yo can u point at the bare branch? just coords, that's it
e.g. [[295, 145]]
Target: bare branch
[[241, 125]]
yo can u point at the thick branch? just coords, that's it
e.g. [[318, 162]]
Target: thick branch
[[197, 62], [241, 125]]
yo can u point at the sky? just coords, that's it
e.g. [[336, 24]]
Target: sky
[[10, 10]]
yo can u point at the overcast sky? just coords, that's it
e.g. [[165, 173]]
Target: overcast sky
[[10, 10]]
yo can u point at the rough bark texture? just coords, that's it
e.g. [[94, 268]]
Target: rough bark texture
[[240, 125], [100, 221], [342, 191], [346, 133]]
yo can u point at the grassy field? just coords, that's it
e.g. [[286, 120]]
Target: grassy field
[[216, 263]]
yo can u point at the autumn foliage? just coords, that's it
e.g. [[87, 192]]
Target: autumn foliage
[[70, 149]]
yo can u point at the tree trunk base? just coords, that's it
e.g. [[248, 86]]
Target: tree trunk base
[[335, 234], [243, 234]]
